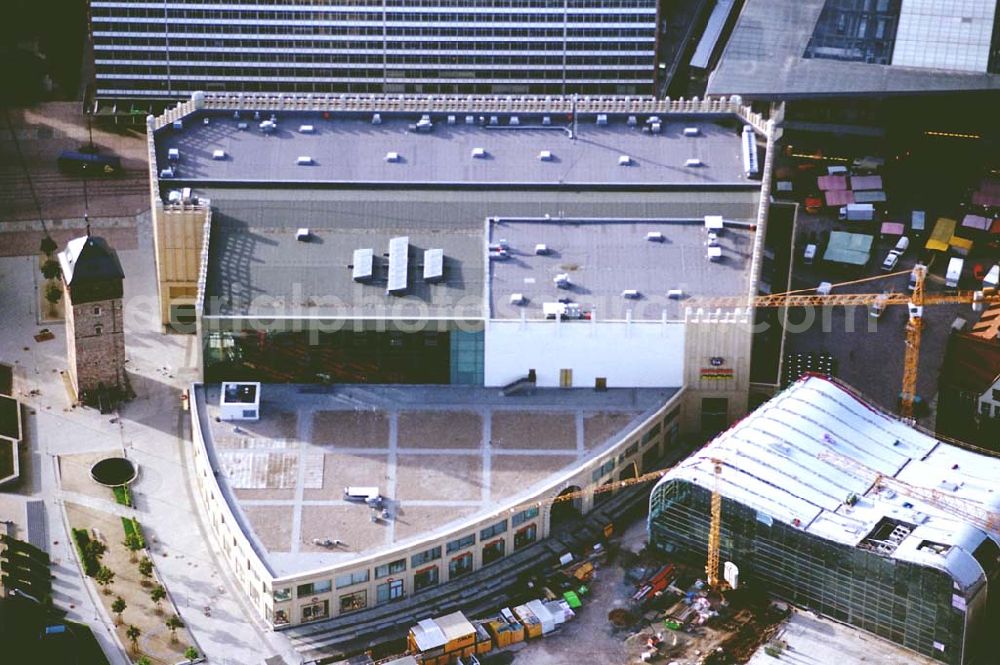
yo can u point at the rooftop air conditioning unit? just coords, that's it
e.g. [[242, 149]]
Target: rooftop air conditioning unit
[[167, 172], [602, 119], [451, 120], [561, 280], [517, 299], [654, 236], [392, 156], [546, 121], [218, 154], [178, 124], [545, 155], [542, 250], [377, 119], [479, 153], [205, 121], [242, 126], [306, 129], [173, 154], [632, 121], [514, 121], [694, 161], [624, 160], [186, 196], [174, 196], [302, 235], [655, 128], [630, 293], [691, 131], [494, 120], [304, 160], [470, 119], [675, 294]]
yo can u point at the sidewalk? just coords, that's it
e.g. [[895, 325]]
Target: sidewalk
[[152, 430]]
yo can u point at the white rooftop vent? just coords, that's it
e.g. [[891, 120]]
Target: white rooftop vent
[[714, 253], [304, 160], [242, 125], [632, 121], [602, 119], [514, 120], [363, 266], [479, 153], [691, 131], [653, 118], [694, 161], [302, 235], [205, 121], [425, 121], [624, 160], [675, 294], [376, 118], [470, 119], [451, 120], [306, 129], [167, 172], [517, 299], [714, 222], [494, 120], [186, 196], [392, 156], [178, 124], [174, 196], [218, 154], [655, 128], [654, 236], [561, 280], [173, 154], [267, 126], [632, 294], [546, 121], [545, 155], [542, 250]]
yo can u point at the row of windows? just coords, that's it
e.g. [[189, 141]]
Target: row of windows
[[296, 5], [374, 59], [126, 49], [308, 21], [322, 35], [179, 75], [473, 30]]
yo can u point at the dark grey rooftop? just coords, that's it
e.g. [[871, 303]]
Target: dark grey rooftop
[[604, 258], [346, 149], [257, 267], [764, 58]]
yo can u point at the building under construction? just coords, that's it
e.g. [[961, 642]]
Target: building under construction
[[839, 507]]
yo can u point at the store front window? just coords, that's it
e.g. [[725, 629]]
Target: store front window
[[316, 611]]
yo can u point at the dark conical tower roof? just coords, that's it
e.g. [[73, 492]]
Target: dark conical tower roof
[[89, 259]]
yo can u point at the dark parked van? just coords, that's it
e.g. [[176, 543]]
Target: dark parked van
[[72, 161]]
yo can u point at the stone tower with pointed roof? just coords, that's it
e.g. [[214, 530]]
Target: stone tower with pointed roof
[[95, 336]]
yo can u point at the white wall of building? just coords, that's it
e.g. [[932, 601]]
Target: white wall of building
[[645, 354]]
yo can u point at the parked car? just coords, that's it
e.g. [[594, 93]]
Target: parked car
[[890, 261], [876, 309]]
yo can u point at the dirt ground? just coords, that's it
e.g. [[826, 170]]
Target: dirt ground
[[155, 640], [534, 430]]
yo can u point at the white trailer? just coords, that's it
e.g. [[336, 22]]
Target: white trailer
[[857, 212], [954, 273]]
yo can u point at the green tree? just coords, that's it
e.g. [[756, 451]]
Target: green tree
[[133, 542], [118, 607], [156, 594], [105, 576], [174, 622], [191, 653], [133, 633], [51, 269], [95, 549], [145, 569], [53, 293], [144, 660], [48, 245]]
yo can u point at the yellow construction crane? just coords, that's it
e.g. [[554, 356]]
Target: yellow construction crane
[[714, 529], [915, 302], [969, 511]]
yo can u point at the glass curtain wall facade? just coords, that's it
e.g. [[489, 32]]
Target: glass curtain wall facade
[[172, 48], [909, 604]]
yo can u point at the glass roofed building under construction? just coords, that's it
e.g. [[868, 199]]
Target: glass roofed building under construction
[[838, 507]]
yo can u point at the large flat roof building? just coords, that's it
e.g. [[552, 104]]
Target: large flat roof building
[[787, 49], [168, 50], [838, 506]]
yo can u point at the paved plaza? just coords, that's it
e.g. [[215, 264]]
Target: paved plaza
[[438, 454]]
